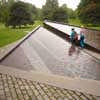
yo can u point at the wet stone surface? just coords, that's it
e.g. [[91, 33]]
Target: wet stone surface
[[48, 53], [92, 36], [12, 88]]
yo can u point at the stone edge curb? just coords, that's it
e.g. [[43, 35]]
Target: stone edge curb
[[73, 25]]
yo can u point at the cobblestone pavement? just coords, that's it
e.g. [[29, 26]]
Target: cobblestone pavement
[[12, 88]]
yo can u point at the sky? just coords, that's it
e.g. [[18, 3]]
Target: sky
[[70, 3]]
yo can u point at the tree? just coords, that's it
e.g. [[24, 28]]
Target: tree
[[60, 15], [19, 15], [71, 14], [52, 11], [39, 14], [89, 11], [4, 9], [4, 12], [33, 10], [49, 8], [7, 1]]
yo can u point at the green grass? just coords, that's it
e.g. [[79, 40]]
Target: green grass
[[75, 22], [94, 27], [9, 35], [78, 23]]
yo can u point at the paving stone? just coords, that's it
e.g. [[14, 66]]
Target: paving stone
[[21, 89]]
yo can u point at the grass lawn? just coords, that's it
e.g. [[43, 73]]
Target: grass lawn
[[9, 35], [78, 23], [75, 22]]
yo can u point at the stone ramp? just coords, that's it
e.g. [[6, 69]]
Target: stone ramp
[[12, 88], [45, 46], [46, 52]]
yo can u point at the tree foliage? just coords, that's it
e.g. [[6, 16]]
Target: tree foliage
[[71, 14], [89, 11], [4, 12], [4, 9], [19, 15], [39, 14], [33, 10], [49, 8], [60, 14], [52, 11]]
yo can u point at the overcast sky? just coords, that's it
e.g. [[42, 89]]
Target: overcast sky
[[70, 3]]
